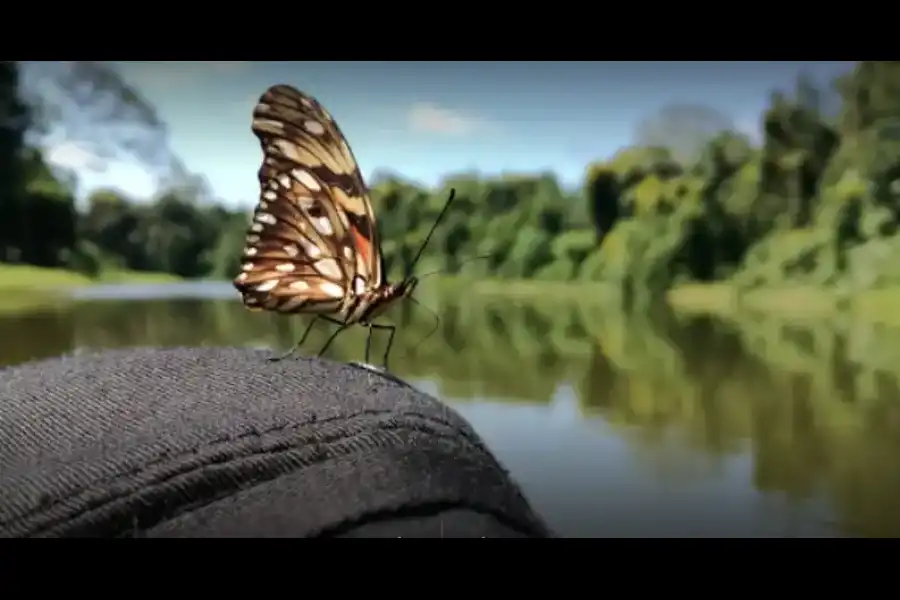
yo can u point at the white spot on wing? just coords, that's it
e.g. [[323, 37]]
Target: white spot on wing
[[249, 251], [329, 268], [287, 149], [314, 127], [284, 181], [359, 285], [299, 285], [311, 249], [285, 267], [306, 178], [323, 226], [266, 218], [291, 250], [266, 286], [332, 289], [269, 195]]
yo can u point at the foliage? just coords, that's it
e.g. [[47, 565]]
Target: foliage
[[814, 201]]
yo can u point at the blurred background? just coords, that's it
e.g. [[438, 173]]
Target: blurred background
[[687, 322]]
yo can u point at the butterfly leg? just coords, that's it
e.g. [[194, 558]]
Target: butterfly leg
[[298, 344], [387, 350], [368, 341], [341, 327]]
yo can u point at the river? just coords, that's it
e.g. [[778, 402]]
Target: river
[[613, 424]]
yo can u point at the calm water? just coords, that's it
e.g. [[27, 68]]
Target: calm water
[[612, 424]]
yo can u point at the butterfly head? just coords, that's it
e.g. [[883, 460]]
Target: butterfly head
[[375, 302], [401, 289], [405, 288]]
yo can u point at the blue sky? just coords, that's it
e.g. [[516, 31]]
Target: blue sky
[[426, 120]]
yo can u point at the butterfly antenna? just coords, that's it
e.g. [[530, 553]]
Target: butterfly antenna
[[468, 260], [437, 319], [443, 212]]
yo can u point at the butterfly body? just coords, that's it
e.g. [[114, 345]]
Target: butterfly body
[[313, 245]]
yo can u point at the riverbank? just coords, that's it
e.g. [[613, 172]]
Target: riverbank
[[26, 286], [718, 299], [799, 302], [31, 278]]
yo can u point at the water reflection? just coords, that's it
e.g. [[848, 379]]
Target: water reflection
[[614, 424]]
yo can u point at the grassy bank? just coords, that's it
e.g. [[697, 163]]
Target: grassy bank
[[719, 299], [30, 278], [878, 305], [25, 286]]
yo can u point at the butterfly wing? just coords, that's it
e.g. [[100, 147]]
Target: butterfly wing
[[313, 239]]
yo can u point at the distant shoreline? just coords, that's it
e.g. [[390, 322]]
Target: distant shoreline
[[24, 286], [715, 299]]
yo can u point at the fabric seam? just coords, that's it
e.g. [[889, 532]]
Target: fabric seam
[[332, 444]]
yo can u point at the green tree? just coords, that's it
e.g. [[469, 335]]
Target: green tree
[[14, 122]]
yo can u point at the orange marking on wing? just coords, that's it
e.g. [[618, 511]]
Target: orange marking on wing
[[363, 246]]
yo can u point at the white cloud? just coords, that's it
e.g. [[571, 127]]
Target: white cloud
[[95, 172], [166, 74], [431, 118], [70, 155], [751, 127]]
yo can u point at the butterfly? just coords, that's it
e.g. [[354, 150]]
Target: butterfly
[[313, 246]]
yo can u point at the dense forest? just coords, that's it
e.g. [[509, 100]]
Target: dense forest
[[812, 200]]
